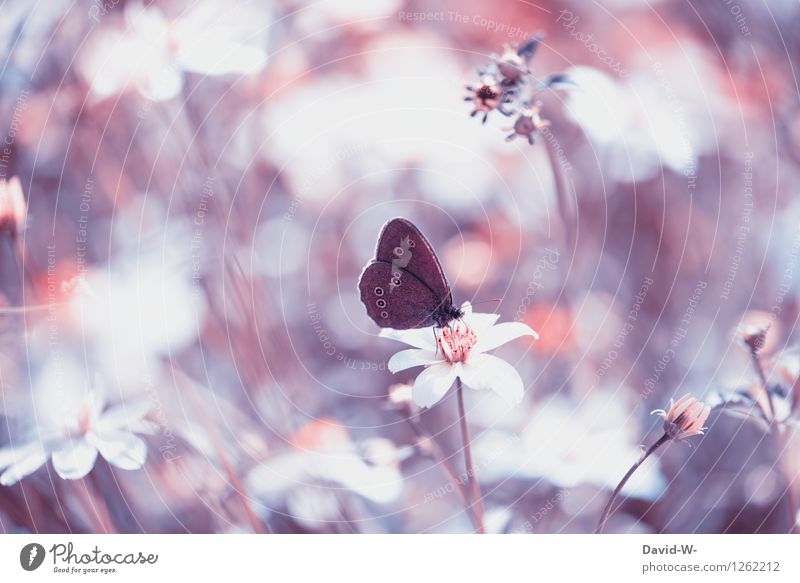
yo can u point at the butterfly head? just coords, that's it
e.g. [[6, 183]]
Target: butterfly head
[[446, 314]]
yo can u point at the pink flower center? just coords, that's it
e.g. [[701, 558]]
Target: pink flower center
[[85, 421], [456, 342]]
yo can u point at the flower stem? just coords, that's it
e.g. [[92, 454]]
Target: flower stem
[[472, 481], [436, 452], [775, 428], [763, 378], [563, 201], [607, 510], [226, 464]]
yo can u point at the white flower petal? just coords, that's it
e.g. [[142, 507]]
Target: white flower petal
[[74, 459], [122, 449], [207, 57], [478, 322], [380, 484], [484, 371], [410, 358], [161, 82], [417, 337], [143, 426], [95, 399], [10, 453], [433, 383], [21, 461], [481, 322], [124, 416], [147, 22], [500, 334]]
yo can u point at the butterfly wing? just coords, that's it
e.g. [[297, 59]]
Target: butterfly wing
[[396, 298], [404, 246]]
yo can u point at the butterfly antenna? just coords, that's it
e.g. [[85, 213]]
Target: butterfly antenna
[[487, 301], [483, 302]]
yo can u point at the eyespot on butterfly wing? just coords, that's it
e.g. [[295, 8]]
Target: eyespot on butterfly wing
[[393, 302], [402, 243], [404, 286]]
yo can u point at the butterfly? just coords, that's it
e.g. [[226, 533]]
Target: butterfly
[[404, 286]]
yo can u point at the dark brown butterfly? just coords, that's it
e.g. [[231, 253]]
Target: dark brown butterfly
[[404, 286]]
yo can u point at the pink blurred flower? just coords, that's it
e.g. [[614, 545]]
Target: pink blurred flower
[[684, 418], [74, 441], [458, 351], [13, 207], [753, 336]]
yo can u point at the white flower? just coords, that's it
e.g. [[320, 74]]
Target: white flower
[[152, 53], [75, 440], [141, 308], [309, 478], [640, 124], [13, 206], [459, 351], [570, 442]]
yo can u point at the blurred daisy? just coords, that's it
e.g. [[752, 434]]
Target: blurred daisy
[[684, 418], [641, 124], [140, 309], [13, 207], [309, 478], [400, 394], [570, 443], [75, 437], [153, 53], [459, 351]]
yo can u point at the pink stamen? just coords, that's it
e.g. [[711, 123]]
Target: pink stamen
[[456, 342]]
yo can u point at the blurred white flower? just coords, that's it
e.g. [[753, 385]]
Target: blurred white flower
[[641, 124], [324, 18], [400, 394], [13, 206], [324, 462], [458, 351], [74, 438], [496, 520], [139, 310], [152, 53], [320, 155], [570, 443]]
